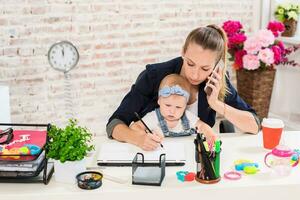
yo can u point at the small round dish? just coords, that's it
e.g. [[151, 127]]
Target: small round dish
[[89, 180]]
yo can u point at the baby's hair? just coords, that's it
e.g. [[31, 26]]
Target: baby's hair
[[175, 79]]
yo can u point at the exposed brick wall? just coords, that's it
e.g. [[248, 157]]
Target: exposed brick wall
[[115, 39]]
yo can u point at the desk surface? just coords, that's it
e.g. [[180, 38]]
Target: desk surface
[[235, 146]]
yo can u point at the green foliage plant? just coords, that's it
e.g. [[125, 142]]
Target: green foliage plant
[[287, 11], [70, 143]]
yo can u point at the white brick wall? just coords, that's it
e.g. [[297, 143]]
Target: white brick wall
[[115, 39]]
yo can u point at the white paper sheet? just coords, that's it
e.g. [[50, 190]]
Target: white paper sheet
[[124, 153]]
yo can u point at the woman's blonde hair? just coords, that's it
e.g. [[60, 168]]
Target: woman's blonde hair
[[213, 38]]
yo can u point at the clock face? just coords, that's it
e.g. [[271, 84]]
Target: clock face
[[63, 56]]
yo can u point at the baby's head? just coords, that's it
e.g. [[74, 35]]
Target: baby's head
[[173, 96]]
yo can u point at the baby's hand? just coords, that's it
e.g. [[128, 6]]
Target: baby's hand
[[211, 137], [208, 132]]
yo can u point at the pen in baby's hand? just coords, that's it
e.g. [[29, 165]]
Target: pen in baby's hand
[[137, 115]]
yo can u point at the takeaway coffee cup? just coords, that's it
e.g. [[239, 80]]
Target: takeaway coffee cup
[[272, 130]]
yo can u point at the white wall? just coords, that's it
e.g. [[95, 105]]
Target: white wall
[[285, 102], [4, 104], [115, 39]]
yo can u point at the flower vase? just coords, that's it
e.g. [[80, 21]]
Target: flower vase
[[255, 87], [290, 28]]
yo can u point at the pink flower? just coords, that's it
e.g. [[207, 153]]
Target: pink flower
[[266, 56], [258, 51], [281, 45], [238, 59], [265, 37], [231, 27], [276, 27], [237, 38], [277, 54], [251, 62], [252, 45]]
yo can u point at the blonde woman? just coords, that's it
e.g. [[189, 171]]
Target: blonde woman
[[204, 49]]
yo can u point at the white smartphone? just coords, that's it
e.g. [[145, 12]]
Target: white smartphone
[[207, 89]]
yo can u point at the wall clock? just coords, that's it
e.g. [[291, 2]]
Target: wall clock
[[63, 56]]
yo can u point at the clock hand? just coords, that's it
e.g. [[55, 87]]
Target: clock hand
[[63, 52]]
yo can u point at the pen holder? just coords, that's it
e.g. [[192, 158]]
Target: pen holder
[[208, 161], [148, 173]]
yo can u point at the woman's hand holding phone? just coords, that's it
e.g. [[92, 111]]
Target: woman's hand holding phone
[[213, 85], [207, 88]]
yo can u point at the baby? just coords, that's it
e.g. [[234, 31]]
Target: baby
[[172, 119]]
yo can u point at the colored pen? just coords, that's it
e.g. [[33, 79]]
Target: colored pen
[[137, 115], [209, 169], [217, 159]]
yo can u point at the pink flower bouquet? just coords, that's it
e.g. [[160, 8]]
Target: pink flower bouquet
[[260, 50]]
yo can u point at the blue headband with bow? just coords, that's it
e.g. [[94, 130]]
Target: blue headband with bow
[[176, 89]]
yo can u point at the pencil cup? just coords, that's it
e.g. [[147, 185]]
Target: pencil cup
[[271, 130], [208, 161]]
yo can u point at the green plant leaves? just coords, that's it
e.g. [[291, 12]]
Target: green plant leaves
[[287, 11], [69, 144]]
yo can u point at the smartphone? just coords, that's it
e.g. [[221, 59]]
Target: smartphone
[[207, 89]]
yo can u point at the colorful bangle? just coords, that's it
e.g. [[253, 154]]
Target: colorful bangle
[[232, 175], [190, 176], [181, 174], [250, 169], [185, 176]]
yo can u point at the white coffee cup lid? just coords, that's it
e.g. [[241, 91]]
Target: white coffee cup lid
[[272, 123]]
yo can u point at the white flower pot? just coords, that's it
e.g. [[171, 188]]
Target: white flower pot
[[66, 172]]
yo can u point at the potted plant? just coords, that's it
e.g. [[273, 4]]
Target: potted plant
[[68, 147], [288, 15]]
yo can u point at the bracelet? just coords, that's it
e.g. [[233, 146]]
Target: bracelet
[[185, 176], [232, 175]]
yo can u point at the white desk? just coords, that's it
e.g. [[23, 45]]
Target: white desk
[[259, 186]]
